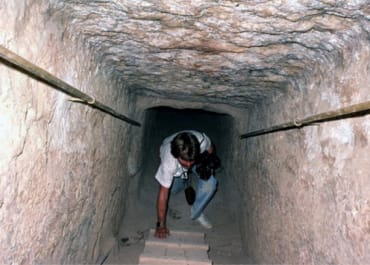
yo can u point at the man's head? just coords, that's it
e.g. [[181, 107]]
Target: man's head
[[186, 148]]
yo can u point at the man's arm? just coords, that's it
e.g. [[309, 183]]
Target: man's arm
[[162, 201]]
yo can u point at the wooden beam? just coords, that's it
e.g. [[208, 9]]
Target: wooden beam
[[44, 76], [346, 112]]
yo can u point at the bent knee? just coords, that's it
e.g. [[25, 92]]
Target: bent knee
[[210, 185]]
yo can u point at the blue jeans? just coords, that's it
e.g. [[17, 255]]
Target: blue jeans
[[204, 193]]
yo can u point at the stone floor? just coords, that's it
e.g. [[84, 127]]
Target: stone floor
[[224, 238]]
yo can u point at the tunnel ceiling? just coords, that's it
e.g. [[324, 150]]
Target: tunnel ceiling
[[233, 52]]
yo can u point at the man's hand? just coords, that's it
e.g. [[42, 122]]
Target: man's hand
[[161, 232]]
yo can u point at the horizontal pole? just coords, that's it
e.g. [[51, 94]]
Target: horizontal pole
[[346, 112], [44, 76]]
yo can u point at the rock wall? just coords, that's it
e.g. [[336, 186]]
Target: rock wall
[[307, 190], [62, 164]]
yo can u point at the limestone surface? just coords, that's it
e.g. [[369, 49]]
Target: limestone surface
[[234, 52], [69, 173]]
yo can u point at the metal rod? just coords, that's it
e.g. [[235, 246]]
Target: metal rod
[[346, 112], [44, 76]]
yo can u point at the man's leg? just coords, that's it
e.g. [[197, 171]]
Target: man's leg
[[205, 191], [178, 185]]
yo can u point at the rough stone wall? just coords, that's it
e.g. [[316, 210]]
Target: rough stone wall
[[62, 164], [307, 191]]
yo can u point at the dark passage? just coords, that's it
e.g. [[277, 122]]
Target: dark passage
[[161, 122]]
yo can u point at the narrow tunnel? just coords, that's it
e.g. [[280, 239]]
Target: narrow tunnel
[[159, 123], [77, 183]]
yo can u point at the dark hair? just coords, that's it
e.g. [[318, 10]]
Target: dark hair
[[186, 146]]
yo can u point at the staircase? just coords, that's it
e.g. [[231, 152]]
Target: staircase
[[179, 248]]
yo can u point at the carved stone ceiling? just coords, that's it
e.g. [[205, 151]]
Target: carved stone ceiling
[[233, 52]]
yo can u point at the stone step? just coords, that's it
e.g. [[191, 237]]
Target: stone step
[[181, 239], [179, 248]]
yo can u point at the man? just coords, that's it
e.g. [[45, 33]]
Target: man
[[178, 153]]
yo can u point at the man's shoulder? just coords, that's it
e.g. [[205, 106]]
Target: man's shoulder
[[166, 157]]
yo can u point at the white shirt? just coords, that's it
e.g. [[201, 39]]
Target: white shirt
[[170, 167]]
